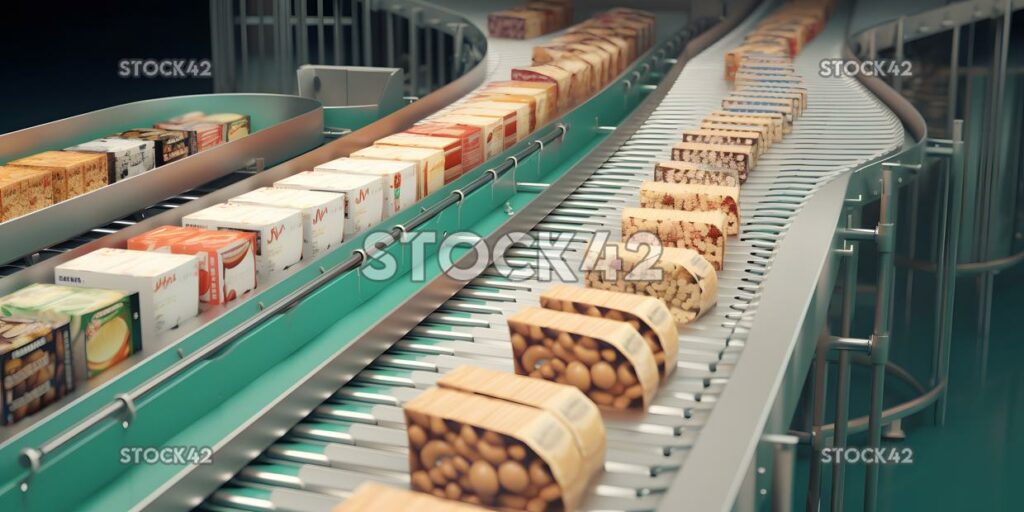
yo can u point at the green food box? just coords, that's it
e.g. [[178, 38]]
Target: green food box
[[104, 324], [33, 369]]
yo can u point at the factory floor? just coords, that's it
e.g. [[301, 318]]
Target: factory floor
[[973, 461]]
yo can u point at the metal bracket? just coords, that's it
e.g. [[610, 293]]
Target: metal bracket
[[128, 404]]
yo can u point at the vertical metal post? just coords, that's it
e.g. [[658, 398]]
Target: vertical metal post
[[897, 82], [321, 19], [849, 306], [782, 475], [367, 30], [216, 45], [954, 79], [301, 33], [873, 45], [948, 263], [338, 34], [389, 36], [414, 51], [882, 329], [457, 40], [243, 42], [818, 390]]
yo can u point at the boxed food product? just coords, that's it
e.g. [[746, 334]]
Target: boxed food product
[[546, 472], [364, 195], [529, 102], [278, 231], [125, 157], [202, 135], [627, 48], [376, 496], [798, 94], [521, 111], [470, 140], [227, 259], [744, 78], [734, 57], [681, 278], [492, 131], [565, 401], [236, 126], [782, 112], [611, 50], [399, 179], [34, 366], [323, 214], [561, 78], [647, 315], [763, 131], [675, 171], [545, 94], [168, 145], [607, 360], [72, 173], [599, 60], [583, 77], [451, 147], [167, 284], [772, 126], [23, 191], [429, 164], [686, 197], [726, 137], [516, 24], [508, 118], [732, 156], [104, 324], [703, 232]]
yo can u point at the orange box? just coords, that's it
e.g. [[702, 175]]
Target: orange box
[[508, 120], [471, 141], [452, 148], [227, 263]]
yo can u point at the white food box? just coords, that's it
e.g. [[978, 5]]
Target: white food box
[[399, 179], [167, 284], [364, 195], [278, 231], [323, 214], [127, 157]]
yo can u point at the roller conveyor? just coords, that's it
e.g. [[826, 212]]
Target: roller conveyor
[[358, 433]]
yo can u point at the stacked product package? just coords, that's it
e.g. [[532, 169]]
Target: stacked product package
[[531, 20], [44, 179]]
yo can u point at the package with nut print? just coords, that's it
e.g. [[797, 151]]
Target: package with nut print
[[23, 191], [703, 232], [492, 452], [735, 157], [323, 215], [167, 284], [675, 171], [647, 315], [105, 327], [566, 402], [727, 137], [772, 122], [34, 366], [683, 280], [168, 145], [376, 496], [125, 157], [609, 361], [694, 198], [73, 173], [364, 195], [227, 259], [278, 231]]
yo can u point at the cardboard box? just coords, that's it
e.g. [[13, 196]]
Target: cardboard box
[[167, 284], [516, 24], [561, 78], [399, 179], [520, 110], [227, 259], [451, 147], [323, 215], [429, 164], [125, 157], [168, 145], [23, 191], [104, 324], [544, 93], [236, 126], [278, 231], [202, 135], [364, 195], [72, 173], [492, 130], [34, 369], [470, 141]]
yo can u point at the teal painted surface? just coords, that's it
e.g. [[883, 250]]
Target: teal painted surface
[[210, 400]]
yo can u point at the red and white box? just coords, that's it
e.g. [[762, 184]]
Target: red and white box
[[508, 119], [364, 195], [227, 259], [521, 110], [451, 147], [399, 179], [561, 78], [471, 138], [278, 231], [492, 131], [323, 215], [429, 164]]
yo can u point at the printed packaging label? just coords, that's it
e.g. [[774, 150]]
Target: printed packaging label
[[278, 231], [323, 214]]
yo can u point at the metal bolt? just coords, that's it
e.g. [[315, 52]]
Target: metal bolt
[[760, 470]]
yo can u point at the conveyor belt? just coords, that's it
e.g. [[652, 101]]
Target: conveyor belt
[[358, 434]]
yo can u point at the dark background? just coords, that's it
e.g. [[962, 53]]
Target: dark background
[[59, 59]]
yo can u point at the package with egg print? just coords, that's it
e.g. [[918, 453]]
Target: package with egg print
[[497, 453], [105, 327], [681, 278], [566, 402], [647, 315], [372, 495], [609, 361], [34, 366]]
